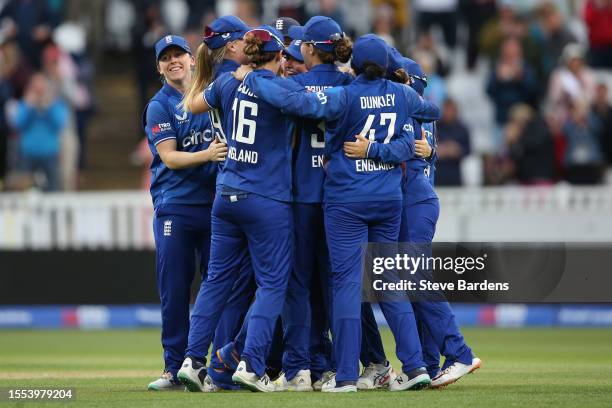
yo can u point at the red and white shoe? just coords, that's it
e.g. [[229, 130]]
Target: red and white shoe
[[375, 376]]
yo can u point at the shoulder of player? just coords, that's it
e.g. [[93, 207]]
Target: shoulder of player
[[346, 78], [224, 79], [157, 108], [287, 83]]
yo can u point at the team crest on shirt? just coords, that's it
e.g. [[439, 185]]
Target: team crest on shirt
[[181, 118], [167, 228]]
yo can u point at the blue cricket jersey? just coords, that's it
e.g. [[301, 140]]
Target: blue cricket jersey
[[259, 144], [417, 185], [164, 120], [216, 123], [308, 172], [377, 109]]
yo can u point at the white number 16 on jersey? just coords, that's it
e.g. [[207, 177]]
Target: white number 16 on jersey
[[242, 122]]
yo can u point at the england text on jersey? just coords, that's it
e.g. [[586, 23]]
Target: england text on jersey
[[243, 155], [367, 165]]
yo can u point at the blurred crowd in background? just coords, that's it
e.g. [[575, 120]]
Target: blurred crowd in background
[[524, 85]]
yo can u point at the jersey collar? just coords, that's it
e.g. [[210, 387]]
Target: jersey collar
[[265, 72], [324, 68], [361, 78], [171, 91]]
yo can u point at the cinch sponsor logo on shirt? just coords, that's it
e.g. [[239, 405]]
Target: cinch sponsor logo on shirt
[[374, 102], [197, 137], [160, 128]]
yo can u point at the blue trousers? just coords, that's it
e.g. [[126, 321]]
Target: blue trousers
[[235, 309], [306, 324], [182, 243], [349, 226], [265, 227], [438, 330], [275, 354]]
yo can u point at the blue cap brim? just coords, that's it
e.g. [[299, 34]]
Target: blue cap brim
[[161, 51], [295, 54], [296, 33]]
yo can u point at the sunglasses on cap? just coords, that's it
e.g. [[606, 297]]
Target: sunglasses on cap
[[264, 35], [210, 33], [332, 39]]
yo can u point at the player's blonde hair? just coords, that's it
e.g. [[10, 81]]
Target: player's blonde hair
[[205, 62]]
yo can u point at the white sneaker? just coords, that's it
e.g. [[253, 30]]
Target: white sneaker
[[415, 380], [192, 374], [209, 385], [375, 376], [165, 383], [327, 375], [251, 380], [301, 382], [454, 372], [330, 386]]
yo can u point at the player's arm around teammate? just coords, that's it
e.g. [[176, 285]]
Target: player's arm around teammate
[[362, 198], [320, 43], [182, 192], [438, 330], [222, 51], [251, 211]]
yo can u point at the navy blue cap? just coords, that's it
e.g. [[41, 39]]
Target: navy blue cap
[[223, 30], [370, 48], [395, 60], [293, 50], [418, 79], [272, 38], [170, 41], [283, 24], [320, 30]]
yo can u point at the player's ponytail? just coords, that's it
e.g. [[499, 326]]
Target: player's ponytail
[[400, 76], [205, 61], [343, 49], [253, 49]]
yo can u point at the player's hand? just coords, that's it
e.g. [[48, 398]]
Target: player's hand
[[357, 149], [346, 70], [241, 72], [217, 151], [422, 147]]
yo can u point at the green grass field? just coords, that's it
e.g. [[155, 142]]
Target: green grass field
[[533, 368]]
